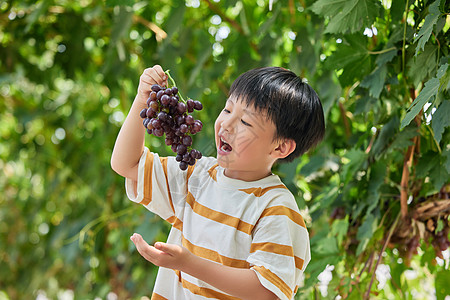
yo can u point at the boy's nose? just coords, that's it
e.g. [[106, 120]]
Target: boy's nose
[[228, 124]]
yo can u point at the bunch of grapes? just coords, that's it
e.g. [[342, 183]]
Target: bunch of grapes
[[168, 113]]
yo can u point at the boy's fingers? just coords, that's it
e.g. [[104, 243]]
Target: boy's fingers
[[167, 248], [147, 251], [154, 75], [160, 72]]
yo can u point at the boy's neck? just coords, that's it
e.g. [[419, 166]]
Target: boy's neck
[[247, 175]]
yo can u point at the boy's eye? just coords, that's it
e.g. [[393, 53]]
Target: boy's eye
[[226, 110], [245, 123]]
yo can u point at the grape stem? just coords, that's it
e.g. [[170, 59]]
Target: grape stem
[[173, 83]]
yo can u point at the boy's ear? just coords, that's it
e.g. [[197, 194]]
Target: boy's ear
[[285, 147]]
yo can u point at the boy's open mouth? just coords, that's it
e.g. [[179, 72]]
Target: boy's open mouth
[[224, 146]]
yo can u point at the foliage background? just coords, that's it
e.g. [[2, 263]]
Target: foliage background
[[375, 193]]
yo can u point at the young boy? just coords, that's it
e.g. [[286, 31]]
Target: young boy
[[236, 229]]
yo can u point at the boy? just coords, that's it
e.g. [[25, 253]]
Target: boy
[[236, 229]]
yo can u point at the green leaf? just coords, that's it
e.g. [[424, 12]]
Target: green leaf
[[426, 163], [427, 27], [367, 228], [386, 134], [441, 120], [446, 154], [339, 229], [328, 8], [386, 57], [329, 91], [111, 3], [365, 232], [36, 13], [397, 10], [377, 175], [304, 56], [375, 81], [423, 66], [356, 158], [426, 95], [403, 138], [438, 175], [441, 284], [347, 15], [352, 57], [327, 246]]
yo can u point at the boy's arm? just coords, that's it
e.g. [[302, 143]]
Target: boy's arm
[[130, 140], [242, 283]]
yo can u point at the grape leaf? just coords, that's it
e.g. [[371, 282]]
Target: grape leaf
[[356, 158], [365, 232], [426, 162], [433, 165], [387, 132], [305, 57], [438, 175], [397, 10], [441, 120], [328, 8], [386, 57], [111, 3], [339, 229], [446, 154], [377, 175], [327, 246], [403, 138], [352, 57], [422, 66], [441, 284], [375, 81], [347, 16], [428, 92], [427, 27]]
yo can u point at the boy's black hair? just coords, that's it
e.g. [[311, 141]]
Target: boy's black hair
[[291, 104]]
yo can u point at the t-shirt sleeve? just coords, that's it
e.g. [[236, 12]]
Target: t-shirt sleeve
[[280, 249], [161, 185]]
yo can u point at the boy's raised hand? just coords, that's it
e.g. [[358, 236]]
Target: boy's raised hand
[[150, 76], [162, 254]]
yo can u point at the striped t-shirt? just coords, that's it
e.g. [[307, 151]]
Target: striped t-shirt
[[236, 223]]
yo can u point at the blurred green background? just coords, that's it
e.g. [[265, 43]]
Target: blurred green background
[[374, 194]]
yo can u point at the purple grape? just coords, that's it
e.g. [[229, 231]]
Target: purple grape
[[156, 87], [187, 140], [181, 107], [159, 94], [184, 128], [189, 120], [183, 166], [165, 100], [198, 105], [181, 149], [158, 132]]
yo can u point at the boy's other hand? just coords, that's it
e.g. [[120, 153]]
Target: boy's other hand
[[150, 76], [162, 254]]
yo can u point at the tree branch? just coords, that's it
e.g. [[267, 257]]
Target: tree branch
[[380, 257]]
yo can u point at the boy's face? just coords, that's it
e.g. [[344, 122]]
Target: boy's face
[[244, 141]]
